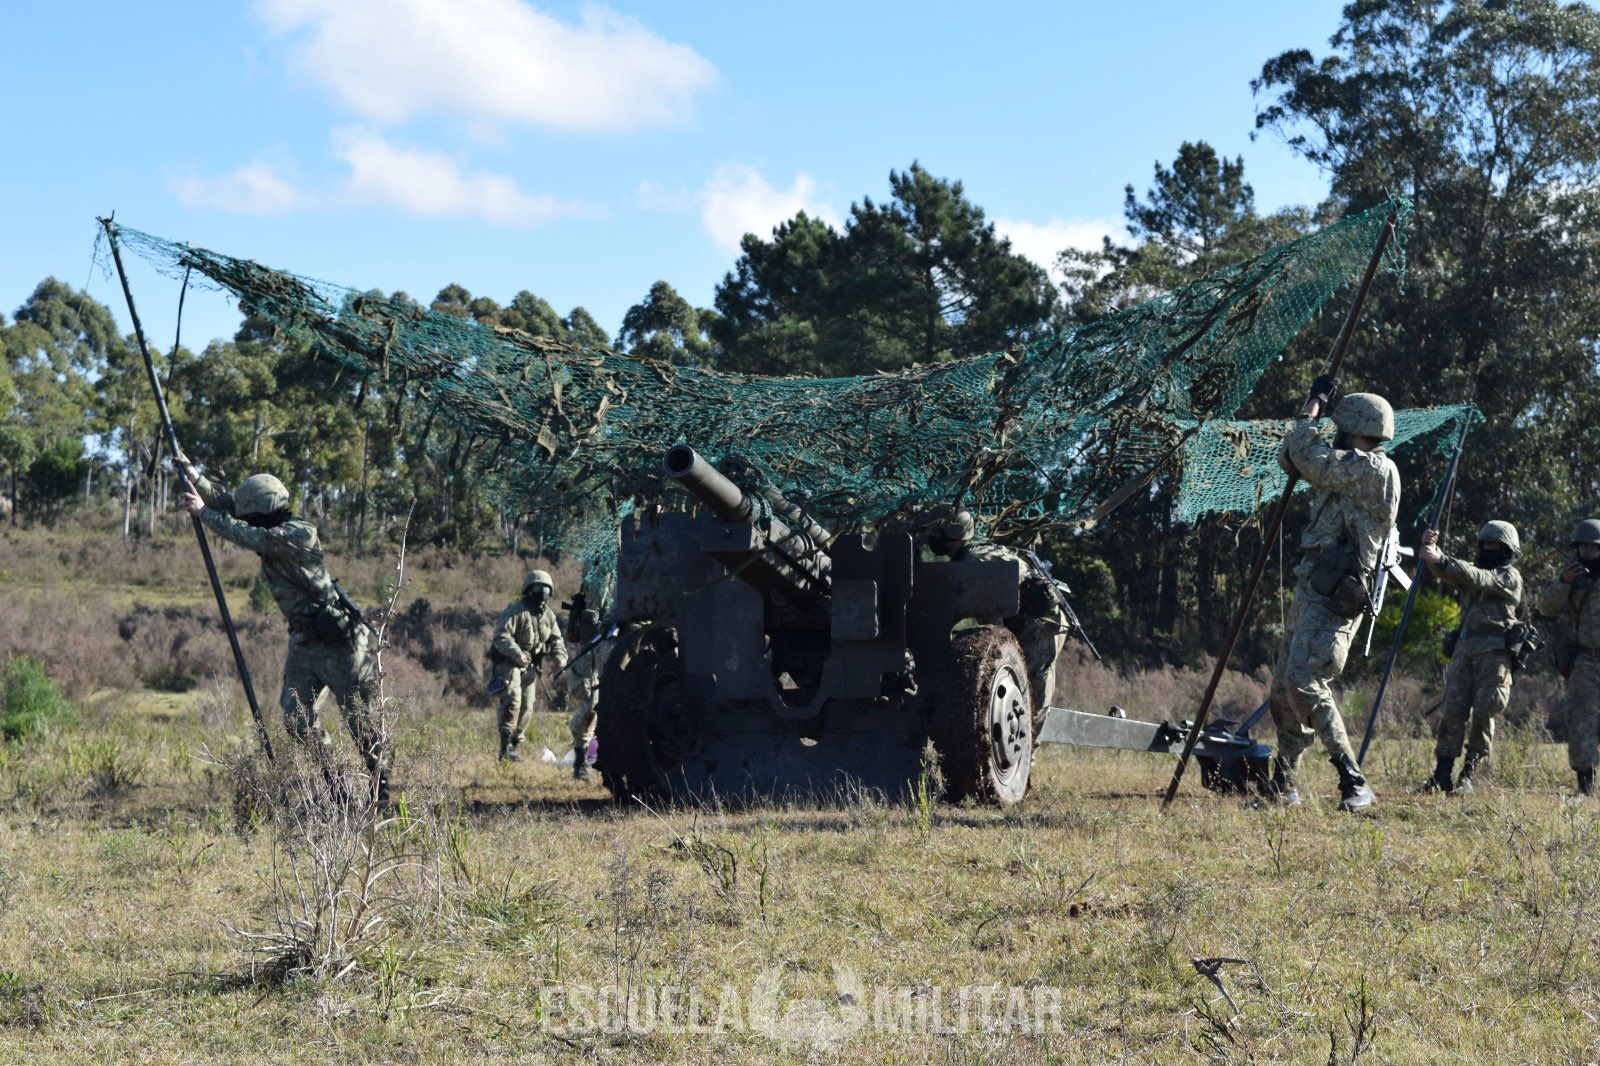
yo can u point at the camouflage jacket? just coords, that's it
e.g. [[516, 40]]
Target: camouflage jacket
[[291, 554], [1489, 601], [1561, 600], [522, 633], [1038, 602], [1354, 494]]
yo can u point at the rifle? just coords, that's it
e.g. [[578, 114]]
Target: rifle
[[609, 630], [199, 530], [347, 605], [1388, 568], [1059, 592]]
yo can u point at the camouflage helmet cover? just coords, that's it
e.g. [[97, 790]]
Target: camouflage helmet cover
[[538, 577], [1501, 533], [1587, 532], [260, 494], [954, 523], [1365, 414]]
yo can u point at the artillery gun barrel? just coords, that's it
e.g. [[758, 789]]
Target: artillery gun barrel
[[792, 560], [725, 499]]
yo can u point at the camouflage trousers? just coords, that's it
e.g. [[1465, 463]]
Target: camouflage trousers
[[1583, 712], [346, 670], [1311, 655], [583, 691], [1042, 640], [517, 699], [1476, 689]]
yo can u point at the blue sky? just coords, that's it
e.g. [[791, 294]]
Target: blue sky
[[582, 151]]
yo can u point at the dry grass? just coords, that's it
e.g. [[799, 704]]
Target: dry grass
[[1439, 930]]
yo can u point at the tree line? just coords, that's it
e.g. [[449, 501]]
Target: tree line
[[1482, 111]]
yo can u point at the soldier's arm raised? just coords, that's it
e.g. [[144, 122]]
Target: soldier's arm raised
[[1502, 584], [1326, 467], [293, 542], [217, 498]]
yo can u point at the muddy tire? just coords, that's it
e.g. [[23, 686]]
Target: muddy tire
[[643, 729], [982, 720]]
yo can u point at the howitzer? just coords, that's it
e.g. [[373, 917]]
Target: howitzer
[[764, 656]]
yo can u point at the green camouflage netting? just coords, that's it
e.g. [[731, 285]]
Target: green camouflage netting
[[1030, 438], [1233, 466]]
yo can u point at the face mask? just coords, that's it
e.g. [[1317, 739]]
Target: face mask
[[536, 598], [1492, 558], [267, 521]]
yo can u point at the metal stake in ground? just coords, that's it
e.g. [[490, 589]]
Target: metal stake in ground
[[1312, 410], [1411, 595], [199, 530]]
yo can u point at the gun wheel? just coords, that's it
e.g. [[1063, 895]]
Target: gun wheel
[[982, 724], [643, 728]]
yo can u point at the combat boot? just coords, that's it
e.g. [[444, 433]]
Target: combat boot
[[1281, 789], [1440, 781], [580, 760], [1354, 795], [508, 748], [1464, 782]]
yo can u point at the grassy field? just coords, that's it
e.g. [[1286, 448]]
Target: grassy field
[[523, 914]]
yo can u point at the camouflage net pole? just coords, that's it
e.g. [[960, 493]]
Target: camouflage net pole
[[199, 530], [1411, 594], [1030, 439], [1335, 361]]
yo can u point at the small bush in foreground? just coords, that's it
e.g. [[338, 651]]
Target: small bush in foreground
[[30, 701]]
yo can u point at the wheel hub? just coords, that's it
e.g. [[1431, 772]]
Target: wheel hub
[[1010, 721]]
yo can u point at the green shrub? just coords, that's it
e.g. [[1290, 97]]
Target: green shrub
[[30, 701], [1435, 614], [261, 600]]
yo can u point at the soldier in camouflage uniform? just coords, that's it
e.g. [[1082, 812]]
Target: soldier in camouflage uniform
[[1477, 684], [1355, 496], [328, 644], [1569, 597], [526, 638], [584, 624], [1041, 626]]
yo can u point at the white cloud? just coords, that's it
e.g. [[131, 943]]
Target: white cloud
[[254, 189], [491, 60], [1043, 241], [738, 200], [420, 182]]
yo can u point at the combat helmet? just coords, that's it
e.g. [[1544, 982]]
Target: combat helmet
[[1502, 533], [954, 523], [1365, 414], [1587, 532], [260, 494], [538, 577]]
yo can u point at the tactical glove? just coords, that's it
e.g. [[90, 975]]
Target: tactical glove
[[1323, 390]]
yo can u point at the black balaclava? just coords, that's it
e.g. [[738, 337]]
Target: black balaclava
[[1493, 556], [268, 520]]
